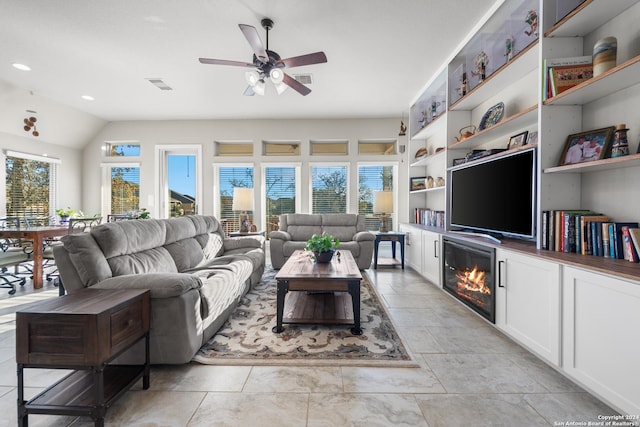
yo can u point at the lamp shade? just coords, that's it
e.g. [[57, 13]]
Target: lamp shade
[[383, 201], [242, 199]]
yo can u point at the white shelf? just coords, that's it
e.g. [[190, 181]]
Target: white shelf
[[436, 157], [632, 160], [428, 190], [509, 126], [525, 62], [587, 17], [618, 78], [432, 128]]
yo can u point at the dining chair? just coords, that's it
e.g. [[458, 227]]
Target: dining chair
[[13, 253]]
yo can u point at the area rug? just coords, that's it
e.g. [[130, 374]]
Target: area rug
[[247, 339]]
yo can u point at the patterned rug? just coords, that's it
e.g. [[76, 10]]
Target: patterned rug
[[247, 339]]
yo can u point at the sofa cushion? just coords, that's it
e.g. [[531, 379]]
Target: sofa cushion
[[87, 258], [156, 260], [128, 237], [179, 228], [302, 226], [186, 253]]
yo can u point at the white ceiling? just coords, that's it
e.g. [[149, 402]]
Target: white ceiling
[[380, 54]]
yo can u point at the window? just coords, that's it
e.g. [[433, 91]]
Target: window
[[178, 179], [372, 178], [30, 185], [281, 193], [234, 148], [329, 148], [122, 149], [181, 176], [377, 147], [281, 148], [125, 189], [230, 177], [329, 189]]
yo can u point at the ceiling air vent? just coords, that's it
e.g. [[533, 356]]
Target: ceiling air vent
[[305, 79], [160, 84]]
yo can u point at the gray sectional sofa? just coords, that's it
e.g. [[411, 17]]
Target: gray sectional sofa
[[296, 229], [196, 276]]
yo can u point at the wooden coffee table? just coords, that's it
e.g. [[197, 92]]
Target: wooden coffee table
[[323, 291]]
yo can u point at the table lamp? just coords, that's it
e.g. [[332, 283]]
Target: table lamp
[[383, 204], [243, 202]]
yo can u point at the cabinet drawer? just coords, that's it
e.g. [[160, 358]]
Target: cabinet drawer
[[127, 325]]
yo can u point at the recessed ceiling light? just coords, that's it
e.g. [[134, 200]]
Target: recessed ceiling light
[[21, 67], [88, 98]]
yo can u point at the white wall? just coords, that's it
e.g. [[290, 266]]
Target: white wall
[[206, 132]]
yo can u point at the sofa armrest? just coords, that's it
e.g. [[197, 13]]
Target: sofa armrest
[[161, 285], [242, 243], [362, 236], [282, 235]]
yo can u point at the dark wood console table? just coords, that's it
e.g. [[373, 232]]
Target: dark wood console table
[[83, 331]]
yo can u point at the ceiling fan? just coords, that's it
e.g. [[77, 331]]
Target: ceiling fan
[[267, 63]]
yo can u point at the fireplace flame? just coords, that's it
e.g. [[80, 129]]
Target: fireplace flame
[[473, 281]]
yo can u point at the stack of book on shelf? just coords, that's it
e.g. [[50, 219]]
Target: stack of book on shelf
[[429, 217], [590, 233], [561, 74]]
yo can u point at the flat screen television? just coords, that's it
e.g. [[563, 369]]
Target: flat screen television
[[497, 196]]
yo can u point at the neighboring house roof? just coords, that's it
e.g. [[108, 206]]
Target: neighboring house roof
[[182, 198]]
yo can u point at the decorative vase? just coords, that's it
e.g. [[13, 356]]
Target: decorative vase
[[64, 219], [324, 257], [620, 146], [605, 52]]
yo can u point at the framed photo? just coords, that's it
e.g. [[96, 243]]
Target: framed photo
[[517, 140], [532, 138], [418, 183], [587, 146]]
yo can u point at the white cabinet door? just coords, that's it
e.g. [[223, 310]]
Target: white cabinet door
[[431, 256], [528, 305], [413, 247], [601, 350]]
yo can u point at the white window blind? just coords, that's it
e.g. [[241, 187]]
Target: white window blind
[[280, 193], [30, 184], [125, 189], [328, 189], [372, 178], [228, 178]]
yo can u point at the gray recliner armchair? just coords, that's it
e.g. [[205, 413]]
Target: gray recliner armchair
[[296, 229]]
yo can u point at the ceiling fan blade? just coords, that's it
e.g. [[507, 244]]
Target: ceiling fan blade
[[296, 85], [225, 62], [248, 91], [298, 61], [253, 38]]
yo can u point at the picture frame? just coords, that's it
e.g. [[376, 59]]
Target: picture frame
[[417, 183], [532, 137], [518, 140], [587, 146]]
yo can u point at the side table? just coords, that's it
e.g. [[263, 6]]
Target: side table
[[82, 331], [247, 234], [393, 237]]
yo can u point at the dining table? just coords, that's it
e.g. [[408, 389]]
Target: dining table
[[36, 235]]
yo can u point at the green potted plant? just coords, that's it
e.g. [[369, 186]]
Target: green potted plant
[[322, 246], [66, 213]]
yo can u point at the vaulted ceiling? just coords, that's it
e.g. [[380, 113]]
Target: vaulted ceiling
[[380, 54]]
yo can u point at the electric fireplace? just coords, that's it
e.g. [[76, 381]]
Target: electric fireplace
[[468, 275]]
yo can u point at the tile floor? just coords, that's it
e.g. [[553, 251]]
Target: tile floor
[[470, 375]]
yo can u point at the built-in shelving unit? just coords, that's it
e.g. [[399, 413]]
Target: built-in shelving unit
[[573, 284]]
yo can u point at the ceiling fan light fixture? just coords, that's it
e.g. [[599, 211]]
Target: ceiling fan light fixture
[[280, 87], [252, 77], [276, 75], [259, 87]]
